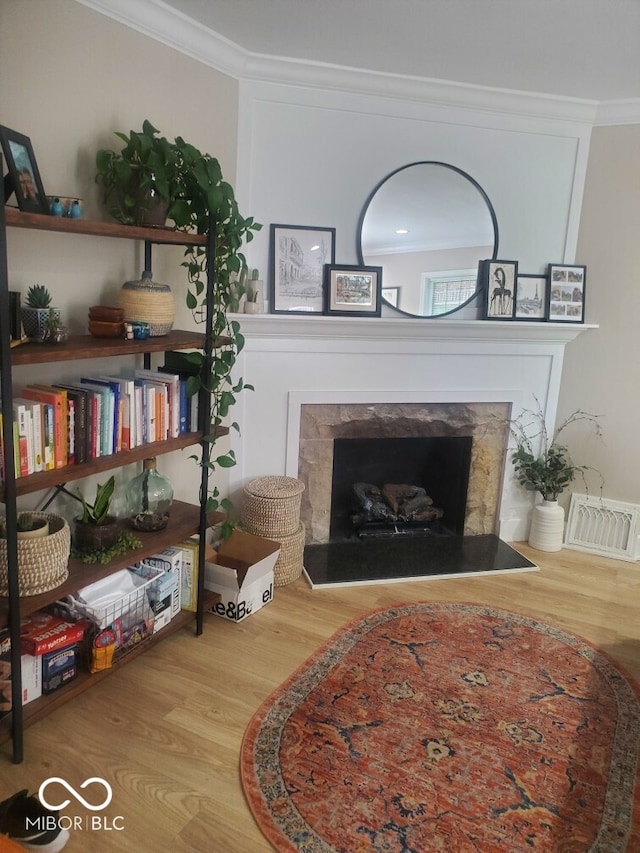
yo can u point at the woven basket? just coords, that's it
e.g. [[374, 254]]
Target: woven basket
[[271, 506], [149, 302], [42, 563], [289, 564]]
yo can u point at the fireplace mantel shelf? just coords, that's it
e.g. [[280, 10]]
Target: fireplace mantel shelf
[[404, 329]]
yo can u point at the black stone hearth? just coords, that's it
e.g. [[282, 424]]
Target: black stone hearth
[[399, 559]]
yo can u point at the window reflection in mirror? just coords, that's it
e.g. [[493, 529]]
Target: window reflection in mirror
[[428, 224]]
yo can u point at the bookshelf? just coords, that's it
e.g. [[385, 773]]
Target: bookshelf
[[186, 519]]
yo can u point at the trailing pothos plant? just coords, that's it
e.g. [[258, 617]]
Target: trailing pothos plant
[[199, 195]]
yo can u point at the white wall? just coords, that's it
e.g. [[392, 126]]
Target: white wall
[[70, 77], [309, 154], [311, 157], [601, 369]]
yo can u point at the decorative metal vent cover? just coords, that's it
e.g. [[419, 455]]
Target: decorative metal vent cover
[[609, 528]]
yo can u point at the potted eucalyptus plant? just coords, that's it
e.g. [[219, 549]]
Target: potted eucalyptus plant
[[542, 463], [197, 194]]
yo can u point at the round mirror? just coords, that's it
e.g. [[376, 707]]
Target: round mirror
[[427, 225]]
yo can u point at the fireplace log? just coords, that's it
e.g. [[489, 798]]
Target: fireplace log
[[371, 504], [403, 498]]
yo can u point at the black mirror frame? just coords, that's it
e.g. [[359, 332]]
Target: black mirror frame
[[474, 183]]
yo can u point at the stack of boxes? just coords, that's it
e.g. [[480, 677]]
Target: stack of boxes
[[53, 645]]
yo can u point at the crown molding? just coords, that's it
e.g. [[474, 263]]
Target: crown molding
[[618, 112], [157, 20]]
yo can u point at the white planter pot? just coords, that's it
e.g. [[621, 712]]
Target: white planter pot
[[547, 526]]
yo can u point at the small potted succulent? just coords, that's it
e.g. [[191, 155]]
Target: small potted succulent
[[96, 530], [37, 313]]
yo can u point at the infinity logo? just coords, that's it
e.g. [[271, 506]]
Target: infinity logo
[[75, 793]]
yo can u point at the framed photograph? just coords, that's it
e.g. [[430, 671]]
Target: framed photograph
[[498, 282], [23, 177], [531, 297], [353, 290], [298, 256], [566, 292], [391, 295]]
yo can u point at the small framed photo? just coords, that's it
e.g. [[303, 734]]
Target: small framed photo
[[566, 292], [23, 177], [531, 297], [498, 282], [391, 295], [353, 290], [298, 255]]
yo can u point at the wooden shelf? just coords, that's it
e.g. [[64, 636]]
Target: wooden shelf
[[185, 519], [183, 522], [59, 224], [50, 479], [43, 706], [80, 347]]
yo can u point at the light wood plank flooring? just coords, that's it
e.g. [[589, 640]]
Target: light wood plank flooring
[[166, 730]]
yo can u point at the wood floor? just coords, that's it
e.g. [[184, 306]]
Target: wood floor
[[165, 731]]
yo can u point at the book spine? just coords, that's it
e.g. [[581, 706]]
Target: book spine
[[48, 437], [38, 438], [71, 431]]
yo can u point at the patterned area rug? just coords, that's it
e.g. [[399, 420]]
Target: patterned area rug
[[448, 727]]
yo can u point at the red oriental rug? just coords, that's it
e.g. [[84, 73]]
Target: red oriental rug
[[448, 727]]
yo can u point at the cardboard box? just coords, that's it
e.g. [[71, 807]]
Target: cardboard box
[[58, 668], [164, 595], [31, 678], [42, 632], [170, 583], [31, 670], [189, 580], [242, 574]]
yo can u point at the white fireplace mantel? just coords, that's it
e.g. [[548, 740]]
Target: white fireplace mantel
[[287, 326], [293, 359]]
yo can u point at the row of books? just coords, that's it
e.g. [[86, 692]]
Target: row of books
[[71, 423]]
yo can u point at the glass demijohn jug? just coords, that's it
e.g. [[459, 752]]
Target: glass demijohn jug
[[149, 498]]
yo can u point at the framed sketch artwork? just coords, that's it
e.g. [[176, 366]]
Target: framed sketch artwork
[[531, 297], [566, 291], [298, 257], [498, 281]]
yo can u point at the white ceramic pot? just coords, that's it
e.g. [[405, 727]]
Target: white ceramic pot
[[547, 526]]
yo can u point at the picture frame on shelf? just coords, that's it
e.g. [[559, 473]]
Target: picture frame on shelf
[[23, 177], [531, 297], [566, 293], [352, 290], [497, 279], [391, 295], [298, 255]]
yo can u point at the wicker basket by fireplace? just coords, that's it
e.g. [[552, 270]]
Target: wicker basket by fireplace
[[271, 506], [289, 564]]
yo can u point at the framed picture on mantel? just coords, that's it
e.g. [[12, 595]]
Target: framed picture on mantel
[[298, 256], [353, 290], [498, 281], [566, 290]]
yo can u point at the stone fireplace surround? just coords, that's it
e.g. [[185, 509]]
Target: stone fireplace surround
[[314, 375], [321, 423]]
